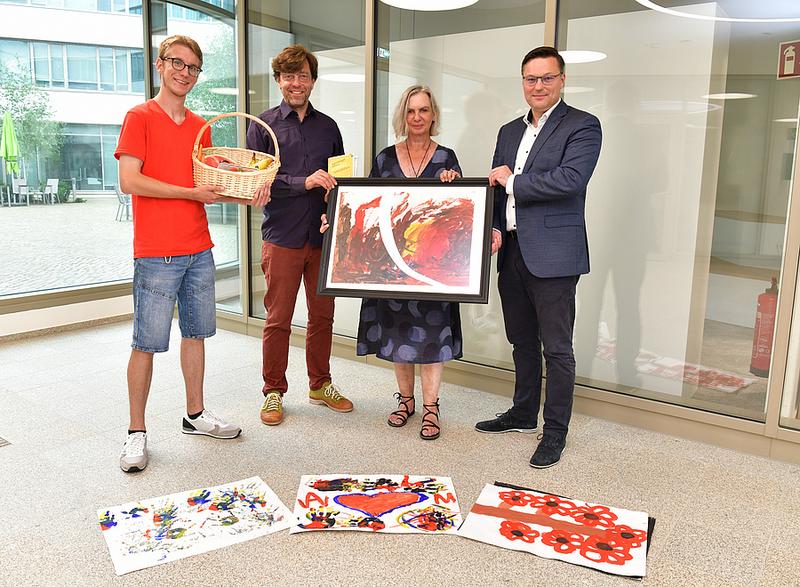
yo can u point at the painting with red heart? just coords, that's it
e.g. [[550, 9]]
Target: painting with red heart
[[377, 503]]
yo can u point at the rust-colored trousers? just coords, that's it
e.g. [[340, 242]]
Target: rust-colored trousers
[[283, 269]]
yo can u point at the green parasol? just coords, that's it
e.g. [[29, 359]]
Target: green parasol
[[9, 148]]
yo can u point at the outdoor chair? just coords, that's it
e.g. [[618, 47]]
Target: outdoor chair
[[51, 191], [19, 190], [124, 204]]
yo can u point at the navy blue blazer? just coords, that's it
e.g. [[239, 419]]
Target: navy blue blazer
[[550, 193]]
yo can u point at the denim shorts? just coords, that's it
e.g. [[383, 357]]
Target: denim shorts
[[157, 283]]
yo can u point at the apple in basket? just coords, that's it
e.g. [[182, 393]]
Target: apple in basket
[[215, 160]]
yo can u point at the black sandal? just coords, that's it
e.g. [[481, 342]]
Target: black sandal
[[429, 424], [402, 412]]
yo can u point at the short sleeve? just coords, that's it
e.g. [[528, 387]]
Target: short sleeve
[[205, 140], [132, 137], [452, 162]]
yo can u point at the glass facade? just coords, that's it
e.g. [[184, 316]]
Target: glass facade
[[88, 67], [475, 80], [335, 32], [688, 212], [687, 208], [215, 93]]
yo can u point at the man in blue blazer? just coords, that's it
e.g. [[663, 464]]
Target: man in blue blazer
[[542, 164]]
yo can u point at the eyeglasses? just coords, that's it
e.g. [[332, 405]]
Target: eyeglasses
[[303, 78], [548, 79], [180, 64]]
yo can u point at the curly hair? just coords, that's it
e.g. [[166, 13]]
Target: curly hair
[[291, 60]]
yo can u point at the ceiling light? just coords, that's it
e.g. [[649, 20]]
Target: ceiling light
[[582, 56], [729, 96], [347, 111], [677, 106], [347, 78], [791, 120], [653, 6], [429, 5]]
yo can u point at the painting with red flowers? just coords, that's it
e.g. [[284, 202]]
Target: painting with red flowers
[[420, 239], [609, 539], [377, 503]]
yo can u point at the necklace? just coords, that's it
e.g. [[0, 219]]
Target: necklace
[[421, 161]]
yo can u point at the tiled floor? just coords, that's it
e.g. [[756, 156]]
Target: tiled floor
[[723, 518]]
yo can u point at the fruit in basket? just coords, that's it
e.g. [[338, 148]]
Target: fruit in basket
[[264, 163], [234, 167], [216, 160]]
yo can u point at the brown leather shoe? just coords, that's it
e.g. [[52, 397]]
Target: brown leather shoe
[[328, 394], [272, 409]]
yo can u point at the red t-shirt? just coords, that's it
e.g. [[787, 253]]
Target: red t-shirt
[[165, 227]]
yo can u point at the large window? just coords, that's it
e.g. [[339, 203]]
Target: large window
[[334, 31], [67, 100], [120, 6], [471, 59], [214, 93], [109, 69], [687, 209]]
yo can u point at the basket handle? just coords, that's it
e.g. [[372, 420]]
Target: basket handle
[[245, 115]]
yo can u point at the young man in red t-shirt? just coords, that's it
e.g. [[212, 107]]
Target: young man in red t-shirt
[[171, 244]]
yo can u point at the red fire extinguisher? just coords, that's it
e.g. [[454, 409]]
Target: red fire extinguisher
[[764, 329]]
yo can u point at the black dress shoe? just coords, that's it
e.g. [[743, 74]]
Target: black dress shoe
[[504, 423], [548, 453]]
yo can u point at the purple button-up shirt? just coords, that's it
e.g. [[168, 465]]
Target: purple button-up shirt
[[292, 216]]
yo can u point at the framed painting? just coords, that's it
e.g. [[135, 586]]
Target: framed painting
[[408, 239]]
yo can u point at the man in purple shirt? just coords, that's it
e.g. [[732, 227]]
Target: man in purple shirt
[[292, 245]]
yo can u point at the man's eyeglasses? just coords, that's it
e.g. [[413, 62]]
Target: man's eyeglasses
[[301, 77], [531, 80], [179, 64]]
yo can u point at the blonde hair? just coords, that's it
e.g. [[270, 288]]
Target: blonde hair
[[187, 42], [399, 123]]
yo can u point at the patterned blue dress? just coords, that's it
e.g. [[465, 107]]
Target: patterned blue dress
[[410, 331]]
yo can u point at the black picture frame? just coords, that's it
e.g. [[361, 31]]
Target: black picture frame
[[400, 238]]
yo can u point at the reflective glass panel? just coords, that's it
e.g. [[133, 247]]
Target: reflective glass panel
[[334, 31], [470, 58], [686, 212], [214, 93]]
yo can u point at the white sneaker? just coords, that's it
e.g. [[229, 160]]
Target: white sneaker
[[208, 424], [134, 453]]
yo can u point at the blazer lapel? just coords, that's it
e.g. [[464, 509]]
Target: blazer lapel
[[553, 121], [513, 142]]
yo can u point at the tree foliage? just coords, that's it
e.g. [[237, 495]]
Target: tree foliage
[[215, 91], [32, 115]]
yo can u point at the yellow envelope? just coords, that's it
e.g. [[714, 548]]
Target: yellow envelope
[[341, 165]]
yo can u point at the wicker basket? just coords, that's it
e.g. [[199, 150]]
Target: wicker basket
[[237, 184]]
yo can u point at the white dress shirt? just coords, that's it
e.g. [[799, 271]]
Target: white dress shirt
[[525, 146]]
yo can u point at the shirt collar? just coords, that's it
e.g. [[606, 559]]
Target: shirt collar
[[528, 117], [286, 110]]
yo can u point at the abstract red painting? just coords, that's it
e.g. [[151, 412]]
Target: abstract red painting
[[609, 539], [422, 239]]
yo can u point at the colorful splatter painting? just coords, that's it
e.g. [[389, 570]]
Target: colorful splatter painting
[[395, 239], [162, 529], [377, 503], [601, 537]]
